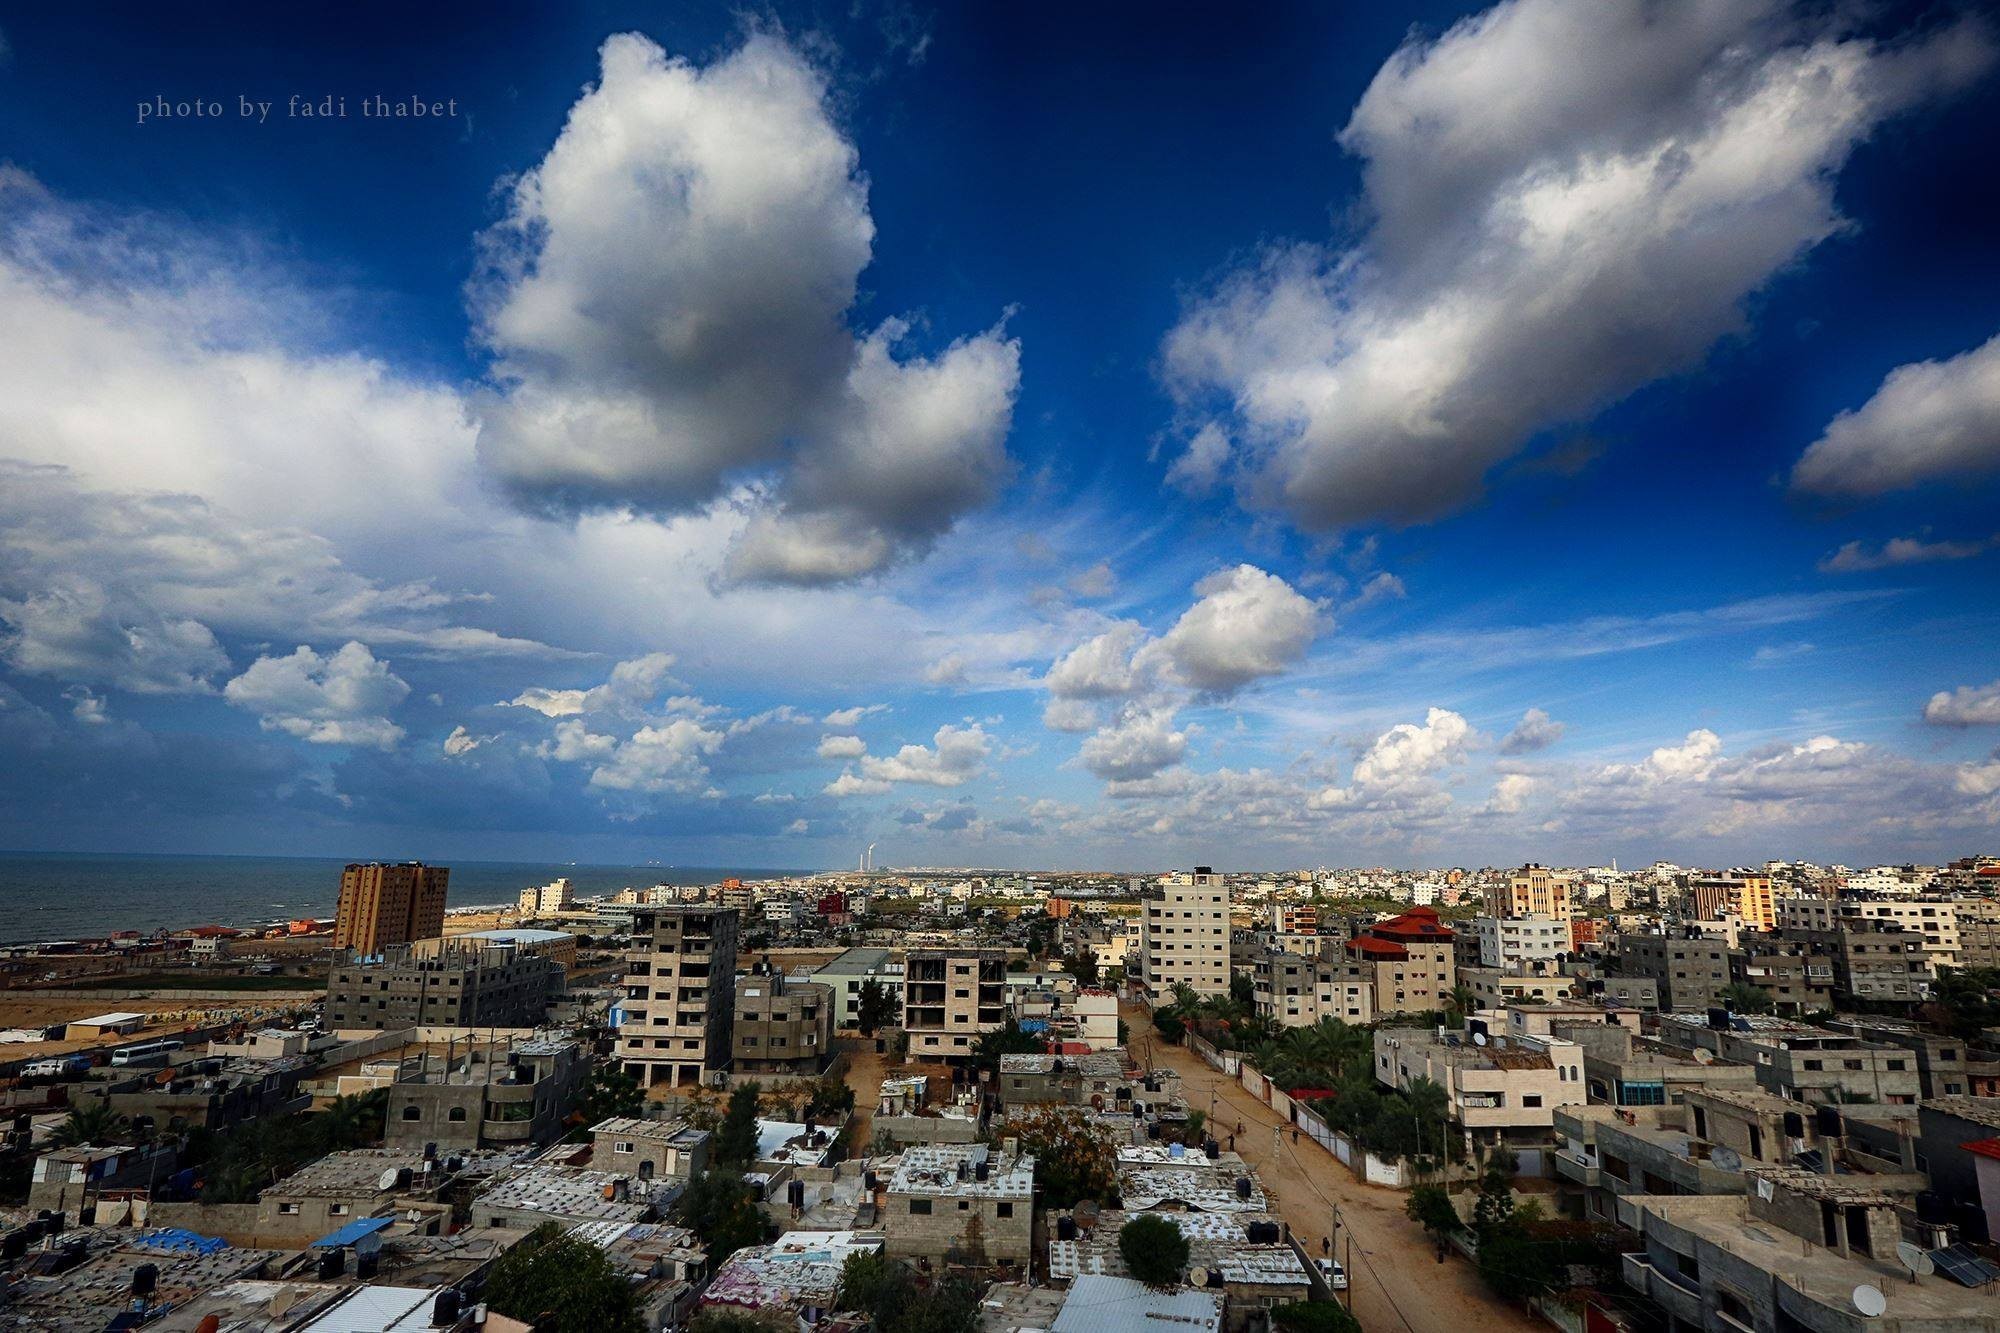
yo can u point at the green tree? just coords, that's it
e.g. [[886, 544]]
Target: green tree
[[1430, 1207], [1075, 1158], [831, 1097], [1154, 1250], [721, 1208], [1495, 1203], [609, 1092], [1743, 999], [1008, 1039], [1242, 989], [875, 1007], [736, 1141], [562, 1285], [1513, 1261], [887, 1293], [1083, 966], [96, 1124], [1315, 1317]]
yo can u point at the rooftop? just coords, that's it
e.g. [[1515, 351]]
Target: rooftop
[[676, 1133], [1979, 1110], [573, 1194], [1121, 1305], [802, 1268], [935, 1170]]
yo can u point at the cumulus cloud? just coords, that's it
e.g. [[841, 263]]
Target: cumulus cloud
[[1929, 420], [342, 698], [1535, 731], [1966, 706], [667, 757], [86, 706], [1856, 558], [1101, 667], [1409, 750], [848, 717], [463, 742], [1247, 625], [632, 685], [955, 756], [1569, 198], [667, 303], [1510, 794], [1141, 743], [842, 747], [1095, 582], [1071, 715]]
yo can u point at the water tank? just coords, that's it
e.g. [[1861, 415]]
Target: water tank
[[14, 1244], [1065, 1227], [981, 1171], [405, 1176], [430, 1151], [1718, 1018], [1175, 1151], [332, 1263], [1212, 1149], [144, 1278], [365, 1264], [445, 1309], [869, 1181], [1242, 1187]]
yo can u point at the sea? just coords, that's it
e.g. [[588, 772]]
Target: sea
[[47, 896]]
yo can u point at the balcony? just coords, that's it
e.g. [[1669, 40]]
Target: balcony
[[1668, 1290], [1578, 1170]]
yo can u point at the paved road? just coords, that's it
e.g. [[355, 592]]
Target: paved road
[[1397, 1284]]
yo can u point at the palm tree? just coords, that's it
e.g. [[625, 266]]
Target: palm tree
[[94, 1124]]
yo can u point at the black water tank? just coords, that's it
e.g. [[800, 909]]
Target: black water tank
[[405, 1177], [1718, 1018], [13, 1244], [1212, 1149], [364, 1265], [1065, 1227], [52, 1222], [869, 1181], [332, 1263], [1242, 1187], [144, 1278], [981, 1171], [444, 1310]]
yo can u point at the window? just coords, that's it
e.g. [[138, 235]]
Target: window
[[457, 1115], [1531, 1099], [412, 1113], [920, 1208], [1004, 1210], [288, 1210], [622, 1147], [336, 1210]]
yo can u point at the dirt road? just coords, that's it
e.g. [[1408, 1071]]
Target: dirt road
[[1397, 1284]]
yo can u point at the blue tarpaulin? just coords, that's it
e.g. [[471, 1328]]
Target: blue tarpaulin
[[359, 1229]]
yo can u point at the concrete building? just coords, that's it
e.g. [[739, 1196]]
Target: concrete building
[[782, 1027], [1184, 936], [679, 1011], [650, 1149], [1496, 988], [1294, 919], [1409, 961], [1534, 890], [951, 997], [1521, 943], [1789, 1255], [1623, 1069], [459, 985], [1739, 894], [501, 1095], [1300, 991], [1502, 1091], [1934, 919], [852, 971], [381, 905], [1802, 1062], [966, 1203], [1690, 969], [550, 899], [1946, 1066], [1979, 930]]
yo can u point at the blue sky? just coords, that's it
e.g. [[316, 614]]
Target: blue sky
[[1446, 435]]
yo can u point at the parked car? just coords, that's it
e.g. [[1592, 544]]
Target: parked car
[[1335, 1275]]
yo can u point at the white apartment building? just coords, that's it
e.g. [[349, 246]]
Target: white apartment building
[[1184, 936], [1936, 919], [1522, 943]]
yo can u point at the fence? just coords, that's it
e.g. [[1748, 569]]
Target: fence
[[1228, 1062], [1365, 1165]]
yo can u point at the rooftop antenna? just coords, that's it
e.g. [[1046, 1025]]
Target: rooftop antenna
[[1870, 1301]]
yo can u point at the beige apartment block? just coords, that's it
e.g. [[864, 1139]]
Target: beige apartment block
[[1184, 936], [1747, 897], [1936, 919], [951, 997], [382, 905], [680, 993], [1533, 890]]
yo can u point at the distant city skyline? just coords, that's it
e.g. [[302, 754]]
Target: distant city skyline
[[1436, 435]]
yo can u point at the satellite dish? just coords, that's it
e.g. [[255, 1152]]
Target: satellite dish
[[1726, 1158], [1915, 1258], [1703, 1056], [1870, 1301], [388, 1180], [1197, 1276], [1479, 1039]]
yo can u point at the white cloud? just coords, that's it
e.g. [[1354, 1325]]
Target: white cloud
[[1966, 706], [842, 747], [1101, 667], [343, 698], [666, 757], [668, 302], [848, 717], [851, 784], [632, 685], [1856, 558], [1096, 582], [955, 756], [462, 742], [86, 706], [1072, 715], [1535, 731], [1247, 625], [1929, 420], [1139, 745], [1511, 793], [1570, 198], [1408, 750]]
